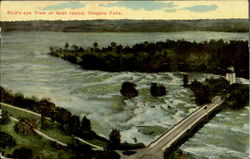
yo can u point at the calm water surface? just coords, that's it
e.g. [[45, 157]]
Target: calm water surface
[[26, 67]]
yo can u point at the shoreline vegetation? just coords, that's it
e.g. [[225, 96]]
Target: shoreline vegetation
[[212, 56], [69, 124], [125, 25], [236, 95], [15, 135]]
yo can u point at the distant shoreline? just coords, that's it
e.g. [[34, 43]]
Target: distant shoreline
[[125, 25]]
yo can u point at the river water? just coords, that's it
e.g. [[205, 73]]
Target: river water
[[26, 67]]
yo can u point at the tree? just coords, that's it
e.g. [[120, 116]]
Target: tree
[[47, 109], [113, 44], [6, 96], [239, 96], [81, 48], [172, 59], [4, 117], [95, 45], [217, 86], [51, 49], [119, 49], [199, 60], [23, 153], [74, 47], [25, 126], [19, 100], [201, 92], [115, 138], [80, 150], [61, 115], [73, 125], [85, 124], [66, 46], [6, 140]]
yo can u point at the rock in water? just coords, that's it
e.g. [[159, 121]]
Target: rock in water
[[157, 91], [185, 80], [128, 90]]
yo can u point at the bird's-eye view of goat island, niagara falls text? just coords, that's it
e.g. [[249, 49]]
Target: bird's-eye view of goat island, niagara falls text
[[124, 79]]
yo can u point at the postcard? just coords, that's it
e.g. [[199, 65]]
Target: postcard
[[124, 79]]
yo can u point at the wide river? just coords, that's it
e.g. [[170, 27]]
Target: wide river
[[26, 67]]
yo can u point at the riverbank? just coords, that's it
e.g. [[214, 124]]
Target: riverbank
[[207, 57], [54, 130]]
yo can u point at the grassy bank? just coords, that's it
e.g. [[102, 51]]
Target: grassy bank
[[41, 147], [61, 125], [51, 128], [66, 124]]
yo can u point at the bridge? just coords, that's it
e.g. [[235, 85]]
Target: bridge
[[179, 133]]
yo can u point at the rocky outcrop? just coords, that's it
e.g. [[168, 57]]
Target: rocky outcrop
[[128, 90], [185, 80], [157, 91]]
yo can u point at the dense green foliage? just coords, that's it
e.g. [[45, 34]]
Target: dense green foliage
[[115, 142], [115, 139], [80, 150], [23, 153], [129, 146], [5, 118], [6, 140], [25, 126], [212, 57], [106, 154], [238, 96], [205, 91], [178, 154]]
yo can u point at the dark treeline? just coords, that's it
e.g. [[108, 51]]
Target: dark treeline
[[224, 25], [207, 57]]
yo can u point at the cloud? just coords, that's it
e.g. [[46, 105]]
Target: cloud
[[68, 5], [137, 5], [201, 8]]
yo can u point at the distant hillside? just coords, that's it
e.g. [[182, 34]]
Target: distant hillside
[[225, 25]]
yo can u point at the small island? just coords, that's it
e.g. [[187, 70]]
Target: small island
[[236, 95]]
